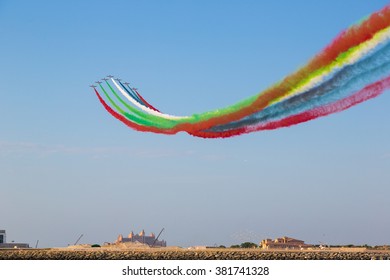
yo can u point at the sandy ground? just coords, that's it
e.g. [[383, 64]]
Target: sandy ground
[[175, 253]]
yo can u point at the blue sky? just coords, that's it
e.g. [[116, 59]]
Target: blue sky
[[67, 167]]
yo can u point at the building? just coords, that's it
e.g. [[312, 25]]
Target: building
[[2, 236], [4, 244], [283, 243], [142, 238]]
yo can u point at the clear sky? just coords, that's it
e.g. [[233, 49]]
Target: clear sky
[[68, 168]]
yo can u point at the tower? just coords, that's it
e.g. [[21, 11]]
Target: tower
[[131, 236]]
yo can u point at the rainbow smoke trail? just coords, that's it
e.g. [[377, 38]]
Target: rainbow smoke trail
[[355, 67]]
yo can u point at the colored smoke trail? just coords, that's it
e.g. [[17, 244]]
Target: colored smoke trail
[[355, 67]]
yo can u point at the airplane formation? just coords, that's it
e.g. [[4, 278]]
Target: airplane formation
[[111, 77]]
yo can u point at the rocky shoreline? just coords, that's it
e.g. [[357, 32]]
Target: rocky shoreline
[[99, 254]]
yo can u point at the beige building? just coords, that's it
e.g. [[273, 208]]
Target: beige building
[[283, 243], [142, 238]]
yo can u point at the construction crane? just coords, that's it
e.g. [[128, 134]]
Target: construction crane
[[157, 237], [77, 241]]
